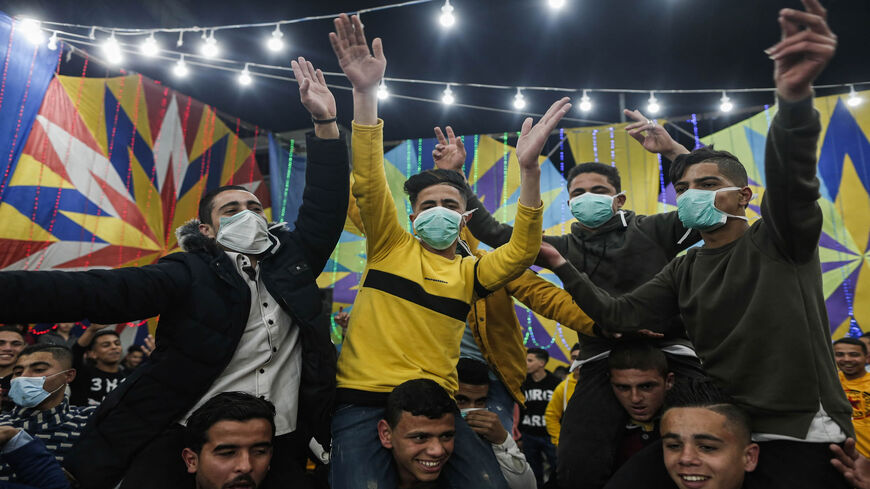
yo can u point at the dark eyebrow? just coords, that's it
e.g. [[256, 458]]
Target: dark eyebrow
[[599, 187], [35, 365], [704, 436], [709, 177], [231, 203], [226, 446]]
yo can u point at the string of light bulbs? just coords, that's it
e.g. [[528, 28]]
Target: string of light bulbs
[[114, 51]]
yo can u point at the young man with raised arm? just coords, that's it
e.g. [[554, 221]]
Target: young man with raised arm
[[415, 294], [752, 296]]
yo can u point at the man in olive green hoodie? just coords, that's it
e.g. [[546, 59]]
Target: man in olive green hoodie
[[752, 297]]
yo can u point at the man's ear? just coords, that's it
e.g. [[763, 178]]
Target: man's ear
[[619, 201], [750, 457], [745, 196], [70, 375], [191, 460], [669, 381], [207, 230], [385, 434]]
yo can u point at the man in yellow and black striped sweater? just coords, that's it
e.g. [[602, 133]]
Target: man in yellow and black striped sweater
[[415, 294]]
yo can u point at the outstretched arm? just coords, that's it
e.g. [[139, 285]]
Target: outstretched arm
[[495, 269], [324, 199], [550, 301], [790, 209], [365, 70], [644, 308], [653, 137]]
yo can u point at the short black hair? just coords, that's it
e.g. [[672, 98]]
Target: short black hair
[[135, 348], [472, 372], [226, 406], [206, 203], [540, 353], [102, 332], [608, 171], [60, 353], [561, 371], [852, 341], [12, 329], [728, 164], [638, 355], [437, 176], [865, 335], [703, 393], [420, 397], [576, 346]]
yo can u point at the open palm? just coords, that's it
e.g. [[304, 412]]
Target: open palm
[[532, 138], [363, 69], [313, 91]]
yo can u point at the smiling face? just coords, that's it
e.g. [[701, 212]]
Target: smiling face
[[236, 454], [229, 203], [11, 344], [641, 392], [420, 446], [106, 349], [850, 360], [702, 451]]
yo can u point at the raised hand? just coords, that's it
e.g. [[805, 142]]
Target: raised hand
[[313, 91], [653, 137], [854, 466], [801, 54], [486, 424], [149, 345], [532, 138], [349, 43], [449, 153]]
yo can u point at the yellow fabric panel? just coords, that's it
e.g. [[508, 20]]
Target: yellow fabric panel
[[112, 230], [133, 103], [147, 198], [90, 95], [27, 173], [16, 225]]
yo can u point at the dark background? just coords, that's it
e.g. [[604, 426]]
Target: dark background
[[638, 44]]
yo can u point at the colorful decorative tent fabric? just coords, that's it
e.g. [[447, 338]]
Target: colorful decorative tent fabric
[[110, 169]]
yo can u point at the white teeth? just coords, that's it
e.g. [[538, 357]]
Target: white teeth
[[694, 478], [429, 464]]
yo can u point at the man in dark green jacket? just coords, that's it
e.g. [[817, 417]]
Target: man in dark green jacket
[[752, 297]]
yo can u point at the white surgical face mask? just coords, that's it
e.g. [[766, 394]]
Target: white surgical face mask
[[246, 232]]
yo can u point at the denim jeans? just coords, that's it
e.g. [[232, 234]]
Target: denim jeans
[[359, 461], [535, 448], [500, 402]]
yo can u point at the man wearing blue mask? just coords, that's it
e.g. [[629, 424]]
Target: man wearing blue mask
[[39, 380], [239, 311], [409, 316], [620, 250], [752, 296]]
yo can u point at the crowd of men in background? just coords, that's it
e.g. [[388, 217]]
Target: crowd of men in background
[[710, 369]]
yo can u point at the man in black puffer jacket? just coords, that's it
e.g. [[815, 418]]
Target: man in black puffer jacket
[[240, 310]]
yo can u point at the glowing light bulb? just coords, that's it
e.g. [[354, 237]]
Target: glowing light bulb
[[180, 41], [149, 46], [447, 96], [854, 100], [383, 93], [112, 50], [31, 31], [276, 41], [52, 41], [556, 4], [210, 46], [652, 105], [245, 77], [180, 69], [725, 103], [447, 19], [585, 102], [519, 100]]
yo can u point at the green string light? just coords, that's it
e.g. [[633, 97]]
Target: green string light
[[419, 155], [287, 181]]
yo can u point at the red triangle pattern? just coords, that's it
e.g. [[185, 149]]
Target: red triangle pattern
[[13, 250], [59, 109], [167, 196], [134, 216], [156, 101], [39, 146], [191, 128], [110, 256]]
